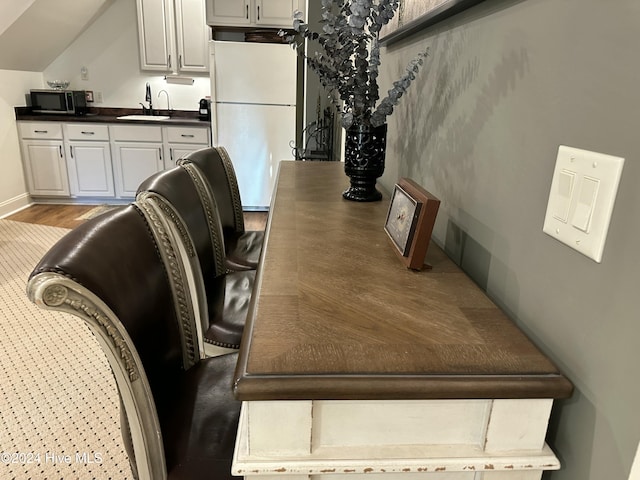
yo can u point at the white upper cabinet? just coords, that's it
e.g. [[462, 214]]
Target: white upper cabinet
[[192, 36], [276, 12], [229, 12], [242, 13], [173, 35]]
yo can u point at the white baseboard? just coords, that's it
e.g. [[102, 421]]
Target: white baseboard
[[14, 205]]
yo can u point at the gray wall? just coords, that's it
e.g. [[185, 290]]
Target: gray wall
[[507, 82]]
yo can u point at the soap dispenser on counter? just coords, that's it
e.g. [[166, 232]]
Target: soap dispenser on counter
[[204, 110]]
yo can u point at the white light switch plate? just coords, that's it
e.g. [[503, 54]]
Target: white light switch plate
[[583, 192]]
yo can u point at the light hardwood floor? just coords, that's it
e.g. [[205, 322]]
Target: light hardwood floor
[[65, 216], [68, 216]]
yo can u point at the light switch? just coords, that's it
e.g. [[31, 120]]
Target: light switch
[[581, 199], [585, 203], [565, 192]]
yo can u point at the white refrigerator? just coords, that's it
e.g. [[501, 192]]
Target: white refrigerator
[[253, 112]]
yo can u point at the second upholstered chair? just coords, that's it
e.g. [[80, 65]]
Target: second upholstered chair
[[243, 247], [171, 200]]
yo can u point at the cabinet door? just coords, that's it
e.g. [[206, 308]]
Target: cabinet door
[[134, 163], [275, 12], [45, 168], [177, 151], [155, 34], [229, 12], [192, 35], [90, 170]]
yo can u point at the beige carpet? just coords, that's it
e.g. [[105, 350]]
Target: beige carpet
[[59, 410]]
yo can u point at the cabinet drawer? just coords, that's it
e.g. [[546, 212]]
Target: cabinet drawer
[[136, 133], [84, 131], [187, 135], [50, 130]]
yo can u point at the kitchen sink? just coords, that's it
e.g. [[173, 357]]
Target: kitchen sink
[[144, 117]]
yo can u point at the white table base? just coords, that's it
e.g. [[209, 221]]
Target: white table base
[[394, 439]]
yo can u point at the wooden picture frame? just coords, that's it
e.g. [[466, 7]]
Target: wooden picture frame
[[410, 219]]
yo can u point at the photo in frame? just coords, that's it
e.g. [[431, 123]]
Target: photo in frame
[[414, 15], [410, 219]]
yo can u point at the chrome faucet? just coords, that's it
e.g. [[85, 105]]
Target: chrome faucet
[[147, 98], [168, 103]]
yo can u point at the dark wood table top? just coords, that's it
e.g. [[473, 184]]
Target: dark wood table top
[[335, 315]]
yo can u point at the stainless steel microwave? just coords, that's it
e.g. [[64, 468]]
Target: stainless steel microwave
[[67, 102]]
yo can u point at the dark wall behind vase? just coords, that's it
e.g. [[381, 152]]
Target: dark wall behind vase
[[507, 82]]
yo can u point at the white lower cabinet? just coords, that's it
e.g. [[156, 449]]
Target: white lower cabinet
[[137, 154], [133, 163], [44, 160], [45, 168], [89, 160], [90, 170], [180, 141]]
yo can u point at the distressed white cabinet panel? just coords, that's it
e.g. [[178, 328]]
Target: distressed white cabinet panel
[[395, 439]]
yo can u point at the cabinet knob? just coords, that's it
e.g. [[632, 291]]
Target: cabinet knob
[[247, 12], [61, 154], [258, 12], [187, 135], [88, 133], [41, 131]]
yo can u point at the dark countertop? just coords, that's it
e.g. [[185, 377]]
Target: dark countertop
[[109, 115]]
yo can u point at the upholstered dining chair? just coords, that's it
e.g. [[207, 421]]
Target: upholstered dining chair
[[243, 247], [172, 200], [178, 415]]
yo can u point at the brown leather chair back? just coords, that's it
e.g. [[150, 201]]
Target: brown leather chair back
[[217, 169], [109, 272], [198, 222], [179, 201]]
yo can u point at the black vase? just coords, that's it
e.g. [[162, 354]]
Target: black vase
[[365, 147]]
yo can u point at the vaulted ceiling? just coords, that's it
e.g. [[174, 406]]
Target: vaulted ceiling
[[34, 32]]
